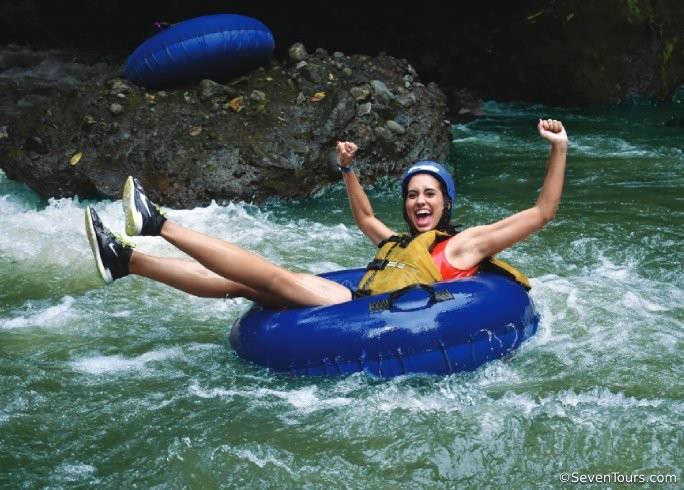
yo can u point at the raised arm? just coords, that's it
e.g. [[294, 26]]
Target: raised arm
[[361, 208], [473, 245]]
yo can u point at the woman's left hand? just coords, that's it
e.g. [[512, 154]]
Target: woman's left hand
[[552, 131]]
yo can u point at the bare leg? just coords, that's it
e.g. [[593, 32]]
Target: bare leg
[[188, 276], [244, 273]]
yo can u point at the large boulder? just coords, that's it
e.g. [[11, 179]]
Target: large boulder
[[270, 133]]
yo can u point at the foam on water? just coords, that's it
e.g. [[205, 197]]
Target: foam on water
[[608, 147], [42, 315], [117, 364], [261, 457], [305, 400]]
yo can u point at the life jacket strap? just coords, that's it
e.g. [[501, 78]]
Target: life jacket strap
[[381, 264]]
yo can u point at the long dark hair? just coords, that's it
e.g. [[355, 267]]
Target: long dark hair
[[444, 225]]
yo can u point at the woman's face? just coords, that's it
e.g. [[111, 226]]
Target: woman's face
[[424, 202]]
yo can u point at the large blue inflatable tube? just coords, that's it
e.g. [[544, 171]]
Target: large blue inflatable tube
[[445, 328], [213, 46]]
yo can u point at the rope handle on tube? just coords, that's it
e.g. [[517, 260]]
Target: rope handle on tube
[[435, 296]]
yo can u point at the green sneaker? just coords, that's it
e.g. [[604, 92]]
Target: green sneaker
[[111, 252], [143, 217]]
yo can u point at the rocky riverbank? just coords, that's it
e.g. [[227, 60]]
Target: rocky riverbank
[[270, 133]]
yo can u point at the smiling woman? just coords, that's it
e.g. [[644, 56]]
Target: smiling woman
[[430, 180], [221, 269], [433, 251]]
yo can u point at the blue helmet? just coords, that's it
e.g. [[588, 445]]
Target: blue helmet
[[437, 171]]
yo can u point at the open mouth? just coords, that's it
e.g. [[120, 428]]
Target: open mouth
[[423, 218]]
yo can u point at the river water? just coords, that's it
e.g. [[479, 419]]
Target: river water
[[134, 385]]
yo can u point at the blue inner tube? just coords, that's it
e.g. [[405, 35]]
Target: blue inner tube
[[444, 328], [213, 46]]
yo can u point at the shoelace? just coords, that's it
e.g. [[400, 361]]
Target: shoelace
[[159, 210], [120, 238]]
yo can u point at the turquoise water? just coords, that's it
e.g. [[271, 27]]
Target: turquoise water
[[134, 385]]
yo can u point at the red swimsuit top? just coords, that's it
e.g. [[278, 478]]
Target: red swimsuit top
[[447, 270]]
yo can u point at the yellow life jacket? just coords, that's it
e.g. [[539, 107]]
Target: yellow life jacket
[[405, 260], [401, 261]]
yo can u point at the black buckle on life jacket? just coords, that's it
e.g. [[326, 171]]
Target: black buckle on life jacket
[[403, 240], [377, 264]]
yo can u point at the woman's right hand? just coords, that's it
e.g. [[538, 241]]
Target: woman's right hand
[[345, 152]]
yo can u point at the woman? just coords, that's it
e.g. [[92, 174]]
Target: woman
[[221, 269]]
